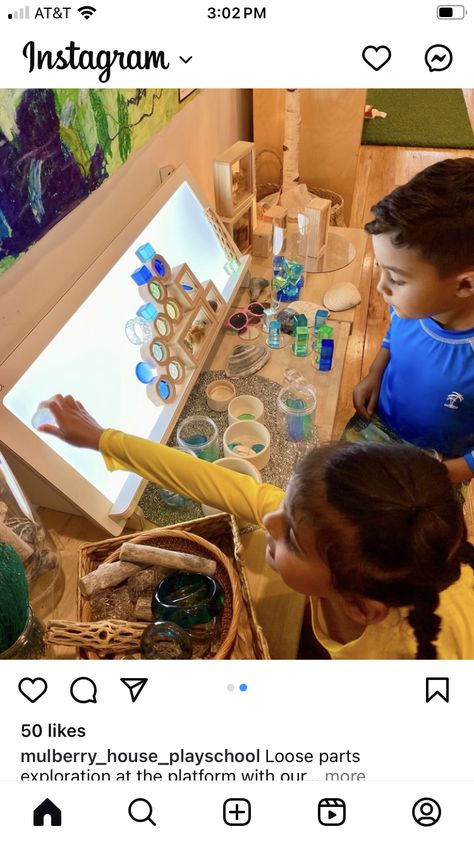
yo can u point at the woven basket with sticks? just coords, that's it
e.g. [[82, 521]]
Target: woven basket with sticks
[[215, 537]]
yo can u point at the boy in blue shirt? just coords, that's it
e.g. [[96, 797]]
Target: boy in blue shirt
[[420, 387]]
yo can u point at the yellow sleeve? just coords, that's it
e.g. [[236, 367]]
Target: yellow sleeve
[[197, 479]]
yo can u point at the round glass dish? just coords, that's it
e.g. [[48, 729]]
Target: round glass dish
[[163, 640], [187, 599]]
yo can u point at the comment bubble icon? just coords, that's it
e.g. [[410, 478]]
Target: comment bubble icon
[[84, 690]]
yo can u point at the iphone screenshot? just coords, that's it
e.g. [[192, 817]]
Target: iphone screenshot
[[236, 421]]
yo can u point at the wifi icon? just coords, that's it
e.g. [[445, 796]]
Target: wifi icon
[[86, 11]]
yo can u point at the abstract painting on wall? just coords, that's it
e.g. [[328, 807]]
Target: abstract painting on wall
[[57, 146]]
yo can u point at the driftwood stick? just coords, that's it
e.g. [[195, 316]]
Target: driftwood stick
[[106, 576], [110, 636], [7, 536], [143, 554]]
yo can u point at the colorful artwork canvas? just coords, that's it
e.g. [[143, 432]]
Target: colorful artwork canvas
[[57, 146]]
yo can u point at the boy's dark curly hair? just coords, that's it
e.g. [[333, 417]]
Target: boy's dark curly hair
[[433, 213]]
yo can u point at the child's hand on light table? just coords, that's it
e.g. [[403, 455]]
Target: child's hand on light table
[[74, 425]]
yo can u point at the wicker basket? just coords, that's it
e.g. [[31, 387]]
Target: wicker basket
[[268, 188], [215, 537]]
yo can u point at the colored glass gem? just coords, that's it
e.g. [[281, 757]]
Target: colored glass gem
[[145, 252], [158, 266], [158, 351], [164, 389], [147, 311], [157, 291], [144, 373], [142, 276]]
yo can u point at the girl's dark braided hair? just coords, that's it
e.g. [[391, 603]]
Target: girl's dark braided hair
[[389, 526]]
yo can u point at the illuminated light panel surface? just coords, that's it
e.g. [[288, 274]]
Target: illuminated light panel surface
[[90, 356]]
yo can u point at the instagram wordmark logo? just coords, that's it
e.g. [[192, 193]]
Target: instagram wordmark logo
[[72, 57]]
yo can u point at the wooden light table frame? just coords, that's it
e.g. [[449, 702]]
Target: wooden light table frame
[[69, 479]]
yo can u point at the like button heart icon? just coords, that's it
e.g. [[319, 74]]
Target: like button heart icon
[[33, 689], [376, 57]]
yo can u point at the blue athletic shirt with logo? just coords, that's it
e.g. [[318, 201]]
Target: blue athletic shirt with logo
[[427, 391]]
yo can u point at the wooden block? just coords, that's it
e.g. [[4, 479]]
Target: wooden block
[[234, 177], [319, 213], [184, 286], [213, 297], [262, 240], [277, 215], [241, 226], [196, 334]]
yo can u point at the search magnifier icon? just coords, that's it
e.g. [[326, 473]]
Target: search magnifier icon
[[141, 810]]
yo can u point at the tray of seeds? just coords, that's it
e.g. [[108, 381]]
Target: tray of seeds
[[117, 606]]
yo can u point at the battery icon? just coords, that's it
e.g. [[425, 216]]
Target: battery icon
[[451, 12]]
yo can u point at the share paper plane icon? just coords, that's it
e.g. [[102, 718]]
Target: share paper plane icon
[[135, 686]]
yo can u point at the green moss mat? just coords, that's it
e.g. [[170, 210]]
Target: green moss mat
[[433, 118]]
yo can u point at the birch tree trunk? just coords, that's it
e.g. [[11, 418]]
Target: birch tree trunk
[[291, 143]]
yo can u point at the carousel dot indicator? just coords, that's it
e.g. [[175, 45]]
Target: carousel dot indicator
[[231, 687], [243, 687]]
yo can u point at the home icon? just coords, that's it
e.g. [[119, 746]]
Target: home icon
[[47, 809]]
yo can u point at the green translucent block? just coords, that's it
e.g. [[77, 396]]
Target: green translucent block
[[300, 347], [231, 266], [325, 332], [279, 282]]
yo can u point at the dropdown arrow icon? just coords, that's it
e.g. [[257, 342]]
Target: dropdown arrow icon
[[186, 60]]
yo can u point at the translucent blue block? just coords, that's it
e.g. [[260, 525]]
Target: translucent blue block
[[188, 288], [159, 266], [274, 334], [164, 389], [289, 293], [147, 311], [327, 351], [142, 276], [320, 320], [144, 373], [145, 252]]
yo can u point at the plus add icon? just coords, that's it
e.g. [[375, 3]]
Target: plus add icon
[[237, 811]]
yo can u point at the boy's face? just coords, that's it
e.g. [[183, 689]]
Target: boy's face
[[410, 284], [291, 552]]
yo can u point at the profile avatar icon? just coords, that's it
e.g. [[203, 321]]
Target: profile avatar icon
[[426, 811]]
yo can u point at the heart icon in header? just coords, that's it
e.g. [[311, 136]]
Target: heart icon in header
[[376, 57]]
